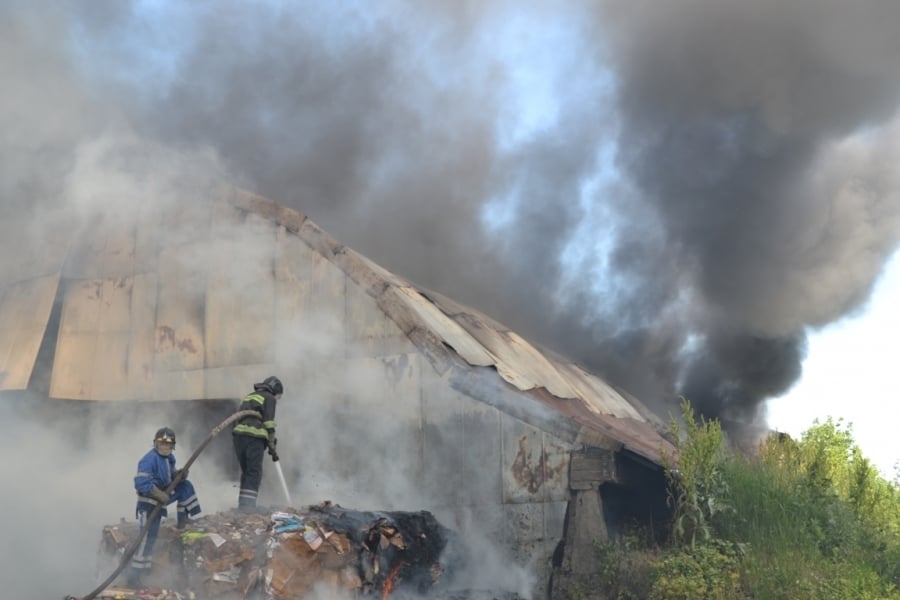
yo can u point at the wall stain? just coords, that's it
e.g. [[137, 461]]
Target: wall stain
[[532, 476], [166, 339]]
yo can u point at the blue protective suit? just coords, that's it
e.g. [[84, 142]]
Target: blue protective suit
[[157, 470]]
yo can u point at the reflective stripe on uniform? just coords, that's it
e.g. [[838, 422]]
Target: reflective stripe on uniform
[[251, 430], [244, 427]]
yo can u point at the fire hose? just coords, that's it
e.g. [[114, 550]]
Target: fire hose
[[179, 477]]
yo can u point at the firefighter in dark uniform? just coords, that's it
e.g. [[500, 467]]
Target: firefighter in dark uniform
[[155, 472], [252, 435]]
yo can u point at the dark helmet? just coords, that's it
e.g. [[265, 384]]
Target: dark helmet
[[164, 434], [271, 383]]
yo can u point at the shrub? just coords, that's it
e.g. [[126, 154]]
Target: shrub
[[708, 572], [696, 487]]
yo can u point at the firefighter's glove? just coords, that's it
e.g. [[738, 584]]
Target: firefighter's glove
[[180, 474], [159, 495], [273, 447]]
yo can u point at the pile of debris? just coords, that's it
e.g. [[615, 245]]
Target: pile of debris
[[286, 553]]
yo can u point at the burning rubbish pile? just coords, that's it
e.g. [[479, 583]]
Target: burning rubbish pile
[[287, 553]]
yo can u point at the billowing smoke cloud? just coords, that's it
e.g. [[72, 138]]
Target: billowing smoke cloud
[[671, 193], [763, 137]]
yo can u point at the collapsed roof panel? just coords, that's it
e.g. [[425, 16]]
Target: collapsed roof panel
[[599, 396], [447, 329]]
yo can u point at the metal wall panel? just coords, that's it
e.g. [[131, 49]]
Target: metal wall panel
[[109, 376], [293, 285], [382, 441], [240, 292], [480, 453], [355, 427], [142, 339], [325, 315], [556, 468], [24, 311], [179, 342], [369, 331], [73, 365], [535, 464], [235, 381], [524, 532], [93, 346], [522, 462], [554, 523], [385, 387], [443, 443]]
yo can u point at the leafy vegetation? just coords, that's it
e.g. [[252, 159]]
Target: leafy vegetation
[[802, 519]]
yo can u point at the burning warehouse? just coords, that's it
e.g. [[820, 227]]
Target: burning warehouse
[[396, 397]]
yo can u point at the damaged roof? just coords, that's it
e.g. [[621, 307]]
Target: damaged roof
[[126, 298]]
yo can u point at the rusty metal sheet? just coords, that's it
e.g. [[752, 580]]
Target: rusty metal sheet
[[598, 396], [24, 311], [240, 290], [455, 336], [555, 459], [517, 361], [522, 467]]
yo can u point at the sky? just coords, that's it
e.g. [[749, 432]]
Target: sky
[[690, 198], [850, 374]]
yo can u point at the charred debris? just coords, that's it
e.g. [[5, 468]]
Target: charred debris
[[287, 553]]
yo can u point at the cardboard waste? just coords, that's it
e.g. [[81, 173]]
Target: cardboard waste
[[288, 553]]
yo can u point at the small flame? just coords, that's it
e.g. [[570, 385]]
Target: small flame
[[389, 582]]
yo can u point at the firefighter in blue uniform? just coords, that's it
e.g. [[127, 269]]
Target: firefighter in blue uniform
[[252, 435], [155, 472]]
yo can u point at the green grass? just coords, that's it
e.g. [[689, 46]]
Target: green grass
[[808, 519]]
